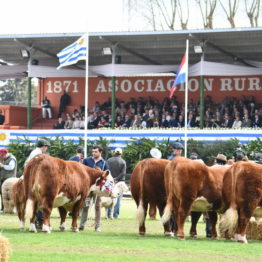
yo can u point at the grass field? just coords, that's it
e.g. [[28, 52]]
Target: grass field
[[119, 242]]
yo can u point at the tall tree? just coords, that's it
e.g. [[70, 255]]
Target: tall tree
[[252, 11], [231, 11], [183, 18], [207, 9], [160, 14]]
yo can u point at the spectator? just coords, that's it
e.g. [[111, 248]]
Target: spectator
[[257, 121], [239, 153], [64, 102], [181, 121], [68, 122], [94, 161], [127, 122], [102, 122], [2, 117], [237, 123], [60, 124], [8, 168], [93, 122], [226, 123], [136, 121], [119, 122], [82, 122], [246, 121], [177, 150], [117, 167], [76, 114], [191, 120], [46, 107]]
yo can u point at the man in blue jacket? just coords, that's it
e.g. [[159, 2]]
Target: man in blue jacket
[[94, 161]]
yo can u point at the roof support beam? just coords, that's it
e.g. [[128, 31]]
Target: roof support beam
[[132, 52]]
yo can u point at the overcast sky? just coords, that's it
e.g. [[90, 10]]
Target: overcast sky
[[65, 16], [61, 16]]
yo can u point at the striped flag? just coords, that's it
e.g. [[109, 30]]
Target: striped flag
[[181, 75], [73, 53]]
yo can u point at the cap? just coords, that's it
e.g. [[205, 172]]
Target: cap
[[3, 151], [155, 153], [118, 150], [41, 143], [221, 157], [178, 145], [239, 145], [193, 156]]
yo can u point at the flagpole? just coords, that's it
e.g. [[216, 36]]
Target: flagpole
[[86, 93], [186, 99]]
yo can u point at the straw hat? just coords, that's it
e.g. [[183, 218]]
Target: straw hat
[[221, 157]]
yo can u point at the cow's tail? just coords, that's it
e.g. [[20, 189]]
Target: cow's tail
[[167, 212], [29, 208], [140, 215], [229, 219]]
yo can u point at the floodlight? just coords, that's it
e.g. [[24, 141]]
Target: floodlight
[[198, 49], [24, 53], [106, 51]]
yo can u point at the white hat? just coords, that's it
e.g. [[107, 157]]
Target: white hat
[[155, 153], [118, 150]]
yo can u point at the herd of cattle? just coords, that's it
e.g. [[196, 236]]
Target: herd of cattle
[[175, 187]]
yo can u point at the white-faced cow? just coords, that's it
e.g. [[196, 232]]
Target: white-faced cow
[[52, 182], [242, 196], [110, 202], [185, 181]]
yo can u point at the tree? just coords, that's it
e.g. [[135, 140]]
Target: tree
[[183, 22], [252, 12], [207, 9], [231, 12], [160, 14]]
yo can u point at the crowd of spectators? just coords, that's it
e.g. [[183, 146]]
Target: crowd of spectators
[[149, 112]]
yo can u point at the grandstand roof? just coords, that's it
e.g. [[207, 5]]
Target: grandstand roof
[[233, 46]]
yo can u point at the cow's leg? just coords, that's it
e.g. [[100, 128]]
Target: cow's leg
[[32, 219], [141, 216], [47, 209], [111, 211], [194, 219], [21, 215], [152, 211], [63, 213], [75, 213], [213, 220], [180, 217], [167, 229]]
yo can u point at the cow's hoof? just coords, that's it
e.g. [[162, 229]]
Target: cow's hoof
[[46, 229], [215, 238], [75, 229], [22, 229], [62, 227], [169, 234], [193, 235], [32, 228], [181, 238], [142, 234]]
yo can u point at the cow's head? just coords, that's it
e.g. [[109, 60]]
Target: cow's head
[[103, 185], [119, 189]]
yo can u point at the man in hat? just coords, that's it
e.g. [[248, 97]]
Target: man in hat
[[177, 150], [117, 167], [239, 154], [8, 168], [221, 160], [79, 155], [41, 148]]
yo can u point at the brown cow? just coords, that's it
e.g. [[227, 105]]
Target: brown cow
[[147, 188], [242, 196], [52, 182], [185, 181], [19, 201]]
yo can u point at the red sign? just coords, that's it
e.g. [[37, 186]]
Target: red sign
[[99, 89]]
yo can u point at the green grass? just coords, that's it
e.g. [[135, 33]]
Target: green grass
[[119, 242]]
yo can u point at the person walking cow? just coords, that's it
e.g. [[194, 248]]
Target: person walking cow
[[117, 167], [94, 161], [8, 168]]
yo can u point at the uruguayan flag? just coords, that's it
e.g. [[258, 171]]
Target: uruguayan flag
[[73, 53]]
